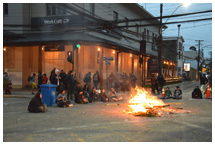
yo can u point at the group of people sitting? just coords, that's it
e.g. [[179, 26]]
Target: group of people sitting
[[177, 93], [81, 96]]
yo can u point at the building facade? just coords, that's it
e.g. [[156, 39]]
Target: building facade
[[38, 37], [173, 56]]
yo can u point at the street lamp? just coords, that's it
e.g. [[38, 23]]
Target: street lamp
[[183, 4]]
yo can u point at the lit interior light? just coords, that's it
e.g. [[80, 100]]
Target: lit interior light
[[98, 49], [113, 52], [130, 55], [4, 49]]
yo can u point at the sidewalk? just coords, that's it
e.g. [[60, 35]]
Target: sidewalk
[[26, 92]]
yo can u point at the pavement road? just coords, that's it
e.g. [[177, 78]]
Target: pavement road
[[97, 122]]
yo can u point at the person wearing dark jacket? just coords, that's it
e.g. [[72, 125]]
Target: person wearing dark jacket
[[71, 85], [79, 97], [36, 105], [202, 80], [161, 82], [40, 80], [53, 78], [103, 96], [93, 95], [86, 90], [197, 93], [96, 79], [177, 93], [61, 100]]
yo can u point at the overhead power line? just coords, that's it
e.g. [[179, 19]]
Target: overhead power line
[[169, 16]]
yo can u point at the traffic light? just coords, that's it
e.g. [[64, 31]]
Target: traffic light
[[77, 46], [69, 57]]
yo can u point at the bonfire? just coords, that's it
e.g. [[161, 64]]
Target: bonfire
[[143, 103]]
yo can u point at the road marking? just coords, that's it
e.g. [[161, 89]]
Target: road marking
[[30, 138], [77, 137], [196, 126]]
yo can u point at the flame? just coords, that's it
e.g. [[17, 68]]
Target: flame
[[143, 100]]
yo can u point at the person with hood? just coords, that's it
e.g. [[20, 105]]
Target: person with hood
[[197, 93], [36, 105]]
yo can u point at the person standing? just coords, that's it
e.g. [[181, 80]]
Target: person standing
[[45, 79], [40, 80], [161, 82], [32, 82], [153, 80], [87, 79], [202, 80], [70, 85], [96, 79]]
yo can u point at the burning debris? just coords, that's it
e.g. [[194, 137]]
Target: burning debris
[[143, 103]]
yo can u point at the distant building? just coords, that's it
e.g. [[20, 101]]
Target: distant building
[[173, 51]]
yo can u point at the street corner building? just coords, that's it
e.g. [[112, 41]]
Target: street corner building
[[99, 36]]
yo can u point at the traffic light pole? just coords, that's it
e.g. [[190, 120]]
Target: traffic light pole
[[160, 41]]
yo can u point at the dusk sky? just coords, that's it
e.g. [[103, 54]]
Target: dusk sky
[[192, 31]]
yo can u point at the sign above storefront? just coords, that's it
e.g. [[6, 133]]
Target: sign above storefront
[[57, 20], [107, 58]]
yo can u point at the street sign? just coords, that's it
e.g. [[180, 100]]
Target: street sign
[[107, 62], [107, 58]]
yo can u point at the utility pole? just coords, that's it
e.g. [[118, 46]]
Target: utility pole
[[160, 41], [198, 58]]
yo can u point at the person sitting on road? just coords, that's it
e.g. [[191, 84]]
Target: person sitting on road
[[61, 100], [197, 93], [103, 96], [36, 105], [204, 87], [177, 93], [79, 97], [113, 95], [86, 90], [93, 97], [168, 93]]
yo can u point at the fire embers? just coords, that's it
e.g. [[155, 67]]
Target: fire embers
[[143, 103]]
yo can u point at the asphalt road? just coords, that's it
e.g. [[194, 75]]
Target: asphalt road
[[99, 123]]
